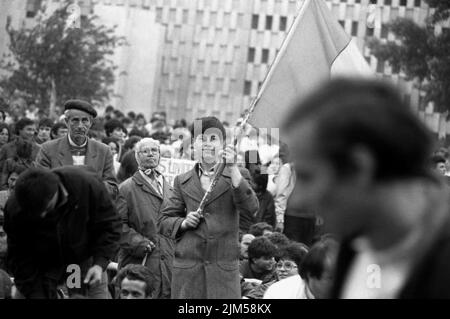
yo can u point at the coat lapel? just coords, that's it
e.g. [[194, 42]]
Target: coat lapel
[[64, 156], [146, 187], [91, 154], [192, 186], [222, 186]]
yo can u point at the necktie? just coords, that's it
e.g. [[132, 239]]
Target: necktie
[[153, 177]]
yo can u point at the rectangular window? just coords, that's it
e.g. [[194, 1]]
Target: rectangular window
[[283, 23], [387, 2], [354, 28], [369, 32], [265, 56], [255, 21], [247, 87], [251, 55], [403, 3], [269, 20], [417, 3]]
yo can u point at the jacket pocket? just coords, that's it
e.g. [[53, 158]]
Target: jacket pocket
[[228, 266], [184, 264]]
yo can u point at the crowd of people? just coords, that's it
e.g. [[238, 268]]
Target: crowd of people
[[86, 212]]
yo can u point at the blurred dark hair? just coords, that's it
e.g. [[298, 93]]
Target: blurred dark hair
[[136, 132], [259, 228], [6, 126], [278, 239], [349, 113], [56, 127], [131, 115], [315, 261], [46, 122], [107, 140], [294, 251], [20, 124], [261, 247], [34, 189], [137, 272], [112, 125], [207, 124]]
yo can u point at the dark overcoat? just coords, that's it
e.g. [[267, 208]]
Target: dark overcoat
[[206, 261], [87, 232], [139, 207]]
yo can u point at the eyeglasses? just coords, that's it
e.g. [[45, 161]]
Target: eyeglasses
[[149, 151], [288, 265]]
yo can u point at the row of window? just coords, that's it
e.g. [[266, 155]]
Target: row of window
[[402, 3], [269, 22]]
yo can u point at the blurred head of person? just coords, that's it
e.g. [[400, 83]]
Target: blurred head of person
[[261, 255], [130, 143], [128, 124], [115, 129], [260, 229], [131, 115], [208, 136], [25, 129], [245, 242], [140, 121], [13, 174], [59, 130], [113, 144], [278, 239], [318, 267], [252, 161], [37, 192], [289, 259], [438, 161], [44, 129], [274, 165], [5, 134], [135, 282], [147, 153], [352, 140], [167, 151]]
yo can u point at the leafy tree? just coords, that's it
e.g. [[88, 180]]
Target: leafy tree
[[63, 56], [421, 53]]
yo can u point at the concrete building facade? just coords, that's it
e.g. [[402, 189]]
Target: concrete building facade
[[196, 57]]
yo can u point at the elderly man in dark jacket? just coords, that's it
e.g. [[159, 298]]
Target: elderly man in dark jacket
[[139, 203], [60, 218], [77, 149], [206, 262]]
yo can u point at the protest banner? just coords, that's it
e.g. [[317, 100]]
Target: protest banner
[[171, 167]]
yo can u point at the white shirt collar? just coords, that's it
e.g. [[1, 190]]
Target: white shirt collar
[[72, 143]]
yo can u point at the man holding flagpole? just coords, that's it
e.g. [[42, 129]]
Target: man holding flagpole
[[207, 250]]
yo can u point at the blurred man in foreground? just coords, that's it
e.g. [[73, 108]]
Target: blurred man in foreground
[[362, 161]]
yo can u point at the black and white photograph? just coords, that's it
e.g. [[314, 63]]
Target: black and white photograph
[[224, 154]]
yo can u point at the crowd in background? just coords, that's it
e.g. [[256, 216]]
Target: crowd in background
[[267, 259], [284, 252]]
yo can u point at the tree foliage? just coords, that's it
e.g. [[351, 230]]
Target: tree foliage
[[421, 53], [75, 59]]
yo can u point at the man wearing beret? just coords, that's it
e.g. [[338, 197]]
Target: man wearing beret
[[77, 149], [207, 249]]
